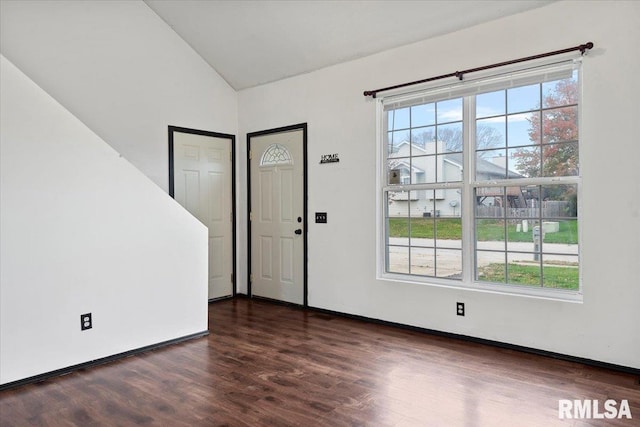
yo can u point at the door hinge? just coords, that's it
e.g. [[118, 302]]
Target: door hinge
[[231, 277], [251, 277], [250, 216], [250, 154], [230, 156]]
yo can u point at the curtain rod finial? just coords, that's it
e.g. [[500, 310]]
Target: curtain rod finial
[[585, 47]]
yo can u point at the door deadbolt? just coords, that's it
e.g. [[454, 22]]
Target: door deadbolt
[[298, 231]]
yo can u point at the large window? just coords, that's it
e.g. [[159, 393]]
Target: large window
[[480, 182]]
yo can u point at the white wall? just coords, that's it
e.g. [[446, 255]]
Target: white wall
[[342, 253], [126, 75], [82, 230], [121, 70]]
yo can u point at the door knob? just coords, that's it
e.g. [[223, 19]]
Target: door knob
[[298, 231]]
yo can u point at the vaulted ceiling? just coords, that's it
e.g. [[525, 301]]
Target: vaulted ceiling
[[250, 43]]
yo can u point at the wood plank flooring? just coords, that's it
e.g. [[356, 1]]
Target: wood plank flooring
[[265, 364]]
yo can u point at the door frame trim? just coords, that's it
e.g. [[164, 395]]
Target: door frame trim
[[305, 228], [232, 138]]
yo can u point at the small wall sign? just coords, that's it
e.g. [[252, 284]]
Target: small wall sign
[[329, 158]]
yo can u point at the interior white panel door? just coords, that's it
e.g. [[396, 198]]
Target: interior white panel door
[[277, 215], [203, 185]]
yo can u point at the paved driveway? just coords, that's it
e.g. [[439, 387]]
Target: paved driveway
[[449, 255]]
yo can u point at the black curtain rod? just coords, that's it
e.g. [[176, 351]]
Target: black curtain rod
[[460, 74]]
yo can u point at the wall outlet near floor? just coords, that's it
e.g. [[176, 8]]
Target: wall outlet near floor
[[460, 308], [85, 322]]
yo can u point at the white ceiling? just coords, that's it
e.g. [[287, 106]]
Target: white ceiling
[[250, 43]]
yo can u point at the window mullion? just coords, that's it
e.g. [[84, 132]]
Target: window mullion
[[468, 172]]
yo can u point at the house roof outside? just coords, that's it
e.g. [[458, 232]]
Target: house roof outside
[[485, 167]]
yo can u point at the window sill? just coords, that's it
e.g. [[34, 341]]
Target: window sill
[[511, 290]]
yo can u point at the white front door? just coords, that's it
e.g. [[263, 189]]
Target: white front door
[[277, 214], [202, 178]]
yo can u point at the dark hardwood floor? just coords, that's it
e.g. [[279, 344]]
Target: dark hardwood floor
[[265, 364]]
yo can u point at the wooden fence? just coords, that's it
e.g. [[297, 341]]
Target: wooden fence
[[550, 209]]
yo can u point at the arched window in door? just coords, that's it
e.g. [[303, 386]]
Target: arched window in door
[[276, 154]]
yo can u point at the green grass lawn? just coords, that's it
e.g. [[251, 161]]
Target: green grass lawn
[[554, 277], [446, 228], [487, 230], [491, 229]]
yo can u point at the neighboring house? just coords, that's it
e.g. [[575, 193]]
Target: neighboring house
[[417, 164]]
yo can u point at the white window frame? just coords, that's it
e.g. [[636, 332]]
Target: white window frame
[[434, 93]]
